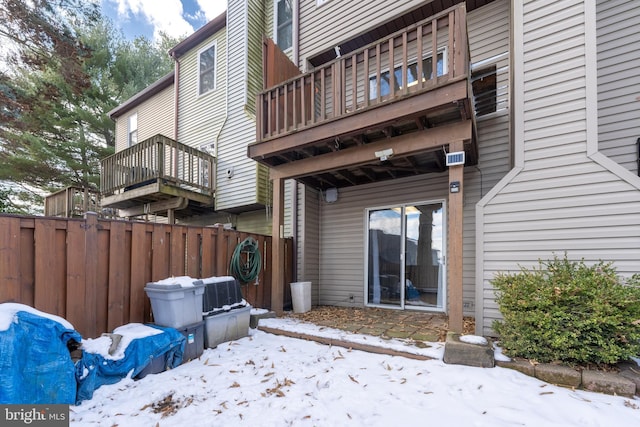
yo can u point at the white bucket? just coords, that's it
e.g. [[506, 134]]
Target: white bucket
[[301, 296]]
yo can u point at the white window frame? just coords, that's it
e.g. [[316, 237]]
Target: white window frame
[[132, 120], [445, 248], [213, 45], [275, 23]]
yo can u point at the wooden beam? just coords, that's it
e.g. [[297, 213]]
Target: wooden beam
[[402, 146], [409, 106], [277, 251], [175, 203], [455, 244]]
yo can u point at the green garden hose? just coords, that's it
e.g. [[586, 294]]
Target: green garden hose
[[246, 260]]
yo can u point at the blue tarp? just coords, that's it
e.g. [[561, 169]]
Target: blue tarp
[[35, 362], [94, 370]]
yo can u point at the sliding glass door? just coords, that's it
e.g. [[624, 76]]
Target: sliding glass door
[[405, 263]]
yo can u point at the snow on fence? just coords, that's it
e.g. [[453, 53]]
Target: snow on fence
[[93, 272]]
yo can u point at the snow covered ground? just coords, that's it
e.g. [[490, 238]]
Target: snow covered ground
[[268, 380]]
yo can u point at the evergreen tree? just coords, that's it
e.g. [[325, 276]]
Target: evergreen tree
[[65, 69]]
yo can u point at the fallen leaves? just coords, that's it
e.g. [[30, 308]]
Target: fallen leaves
[[167, 406], [631, 405]]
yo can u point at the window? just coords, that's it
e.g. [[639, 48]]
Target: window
[[207, 69], [412, 75], [284, 24], [132, 132], [406, 245], [484, 85]]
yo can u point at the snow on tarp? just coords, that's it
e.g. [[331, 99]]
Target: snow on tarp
[[35, 361], [140, 344]]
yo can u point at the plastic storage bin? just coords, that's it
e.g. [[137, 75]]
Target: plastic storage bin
[[194, 344], [220, 292], [301, 296], [226, 326], [174, 305]]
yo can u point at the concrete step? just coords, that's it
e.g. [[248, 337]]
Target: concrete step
[[471, 351]]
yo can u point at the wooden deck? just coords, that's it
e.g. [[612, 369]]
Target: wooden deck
[[74, 202], [354, 106], [388, 110], [158, 175]]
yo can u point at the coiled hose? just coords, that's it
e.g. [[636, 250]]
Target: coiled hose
[[246, 269]]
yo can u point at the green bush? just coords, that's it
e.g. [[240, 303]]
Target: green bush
[[569, 312]]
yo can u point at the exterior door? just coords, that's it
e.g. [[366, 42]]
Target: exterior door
[[405, 263]]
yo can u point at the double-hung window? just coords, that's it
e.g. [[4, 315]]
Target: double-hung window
[[132, 129], [207, 69], [284, 24]]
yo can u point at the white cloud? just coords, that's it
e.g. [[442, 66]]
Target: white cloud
[[163, 15], [212, 8]]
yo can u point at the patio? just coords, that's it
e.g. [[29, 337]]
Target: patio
[[384, 323]]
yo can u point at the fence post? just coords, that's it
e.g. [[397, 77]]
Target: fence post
[[91, 272]]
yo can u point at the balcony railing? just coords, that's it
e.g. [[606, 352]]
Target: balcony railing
[[158, 158], [73, 202], [424, 56]]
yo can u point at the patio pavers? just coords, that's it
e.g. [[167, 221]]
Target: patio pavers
[[415, 325]]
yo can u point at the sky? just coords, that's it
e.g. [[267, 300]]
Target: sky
[[149, 17]]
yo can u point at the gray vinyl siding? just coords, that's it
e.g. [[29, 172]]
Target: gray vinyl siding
[[238, 130], [307, 244], [488, 28], [618, 77], [200, 117], [316, 35], [155, 116], [563, 194], [342, 224]]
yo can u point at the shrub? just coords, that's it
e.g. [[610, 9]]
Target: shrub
[[570, 312]]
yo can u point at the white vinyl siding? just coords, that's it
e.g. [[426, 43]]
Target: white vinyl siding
[[563, 194], [243, 188], [201, 117], [618, 22], [155, 116]]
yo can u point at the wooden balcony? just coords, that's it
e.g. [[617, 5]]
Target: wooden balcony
[[408, 92], [158, 175], [74, 202]]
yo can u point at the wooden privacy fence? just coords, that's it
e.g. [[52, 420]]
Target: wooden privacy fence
[[92, 272]]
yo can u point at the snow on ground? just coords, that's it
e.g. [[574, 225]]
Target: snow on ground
[[269, 380]]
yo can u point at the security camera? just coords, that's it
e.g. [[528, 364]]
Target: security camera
[[384, 155]]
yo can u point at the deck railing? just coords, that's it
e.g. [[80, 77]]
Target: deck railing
[[156, 158], [72, 202], [363, 79]]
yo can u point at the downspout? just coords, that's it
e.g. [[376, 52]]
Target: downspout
[[176, 94], [296, 34], [294, 228], [226, 105]]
